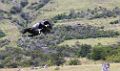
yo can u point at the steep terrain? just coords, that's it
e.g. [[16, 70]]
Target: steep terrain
[[79, 25], [55, 7]]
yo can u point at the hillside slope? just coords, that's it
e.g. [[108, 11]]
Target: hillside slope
[[55, 7], [50, 9], [84, 22], [11, 31]]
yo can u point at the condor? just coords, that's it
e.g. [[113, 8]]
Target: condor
[[43, 26]]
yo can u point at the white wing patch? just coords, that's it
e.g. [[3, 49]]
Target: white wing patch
[[36, 25]]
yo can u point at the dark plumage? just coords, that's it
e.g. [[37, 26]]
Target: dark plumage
[[43, 26]]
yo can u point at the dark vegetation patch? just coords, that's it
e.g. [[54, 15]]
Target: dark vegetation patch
[[4, 42], [38, 5], [4, 15], [16, 9], [26, 18], [18, 14], [115, 22], [98, 12], [2, 34], [24, 3], [15, 57], [5, 1], [74, 62]]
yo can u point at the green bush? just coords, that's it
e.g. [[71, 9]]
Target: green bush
[[113, 58], [16, 9], [1, 65], [115, 22], [24, 3], [98, 12], [100, 53], [12, 65], [114, 55], [83, 50], [57, 58], [25, 16], [74, 62]]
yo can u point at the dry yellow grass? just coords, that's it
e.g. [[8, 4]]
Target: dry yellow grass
[[95, 22], [91, 41], [88, 67]]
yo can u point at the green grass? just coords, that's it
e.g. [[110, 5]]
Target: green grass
[[91, 41], [95, 22], [5, 7], [11, 31], [55, 7], [61, 6], [88, 67]]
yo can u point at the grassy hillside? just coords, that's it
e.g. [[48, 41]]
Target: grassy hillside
[[80, 30], [61, 6], [11, 31], [55, 7], [91, 41]]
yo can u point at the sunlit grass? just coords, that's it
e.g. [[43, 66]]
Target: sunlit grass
[[5, 7], [60, 6], [91, 41], [89, 67], [84, 67], [11, 31]]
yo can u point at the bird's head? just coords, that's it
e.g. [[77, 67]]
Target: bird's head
[[47, 24]]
